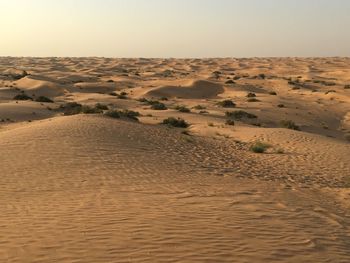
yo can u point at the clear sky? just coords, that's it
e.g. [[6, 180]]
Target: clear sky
[[175, 28]]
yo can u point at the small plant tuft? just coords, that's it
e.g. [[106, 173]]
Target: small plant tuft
[[175, 122]]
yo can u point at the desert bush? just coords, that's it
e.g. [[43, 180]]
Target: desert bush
[[183, 109], [273, 93], [199, 107], [130, 114], [22, 96], [238, 115], [158, 106], [280, 106], [288, 124], [253, 100], [143, 100], [101, 106], [176, 122], [230, 81], [347, 87], [113, 114], [227, 104], [71, 108], [43, 99], [251, 95], [90, 110], [230, 122], [260, 147]]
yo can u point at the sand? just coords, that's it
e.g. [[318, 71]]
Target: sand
[[90, 188]]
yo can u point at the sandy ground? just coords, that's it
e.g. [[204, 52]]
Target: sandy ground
[[90, 188]]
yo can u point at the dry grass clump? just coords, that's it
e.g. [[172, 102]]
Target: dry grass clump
[[288, 124], [175, 122], [227, 104], [128, 114], [182, 109], [44, 99], [239, 114], [259, 147], [22, 96]]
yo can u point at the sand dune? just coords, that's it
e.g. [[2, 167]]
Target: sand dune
[[91, 188], [197, 90]]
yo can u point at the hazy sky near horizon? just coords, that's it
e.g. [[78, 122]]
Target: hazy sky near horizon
[[175, 28]]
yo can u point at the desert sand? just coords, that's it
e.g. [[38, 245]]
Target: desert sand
[[93, 188]]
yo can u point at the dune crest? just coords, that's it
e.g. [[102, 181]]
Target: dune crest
[[200, 89]]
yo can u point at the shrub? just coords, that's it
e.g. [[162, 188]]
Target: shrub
[[164, 98], [199, 107], [227, 104], [101, 106], [130, 114], [259, 147], [230, 81], [22, 97], [230, 122], [347, 87], [143, 100], [273, 93], [158, 106], [262, 76], [280, 106], [253, 100], [176, 122], [251, 95], [43, 99], [90, 110], [288, 124], [183, 109], [71, 108], [238, 115], [113, 114]]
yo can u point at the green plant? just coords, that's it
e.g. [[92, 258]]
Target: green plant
[[199, 107], [101, 106], [230, 81], [22, 96], [176, 122], [182, 109], [253, 100], [251, 95], [230, 122], [113, 114], [288, 124], [238, 115], [158, 106], [90, 110], [43, 99], [71, 108], [227, 104], [259, 147]]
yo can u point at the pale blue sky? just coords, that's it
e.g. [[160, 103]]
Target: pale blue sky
[[175, 28]]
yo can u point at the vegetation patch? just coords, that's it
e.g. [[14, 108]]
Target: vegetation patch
[[259, 147], [176, 122], [44, 99], [22, 96], [288, 124], [239, 114], [182, 109], [227, 104]]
